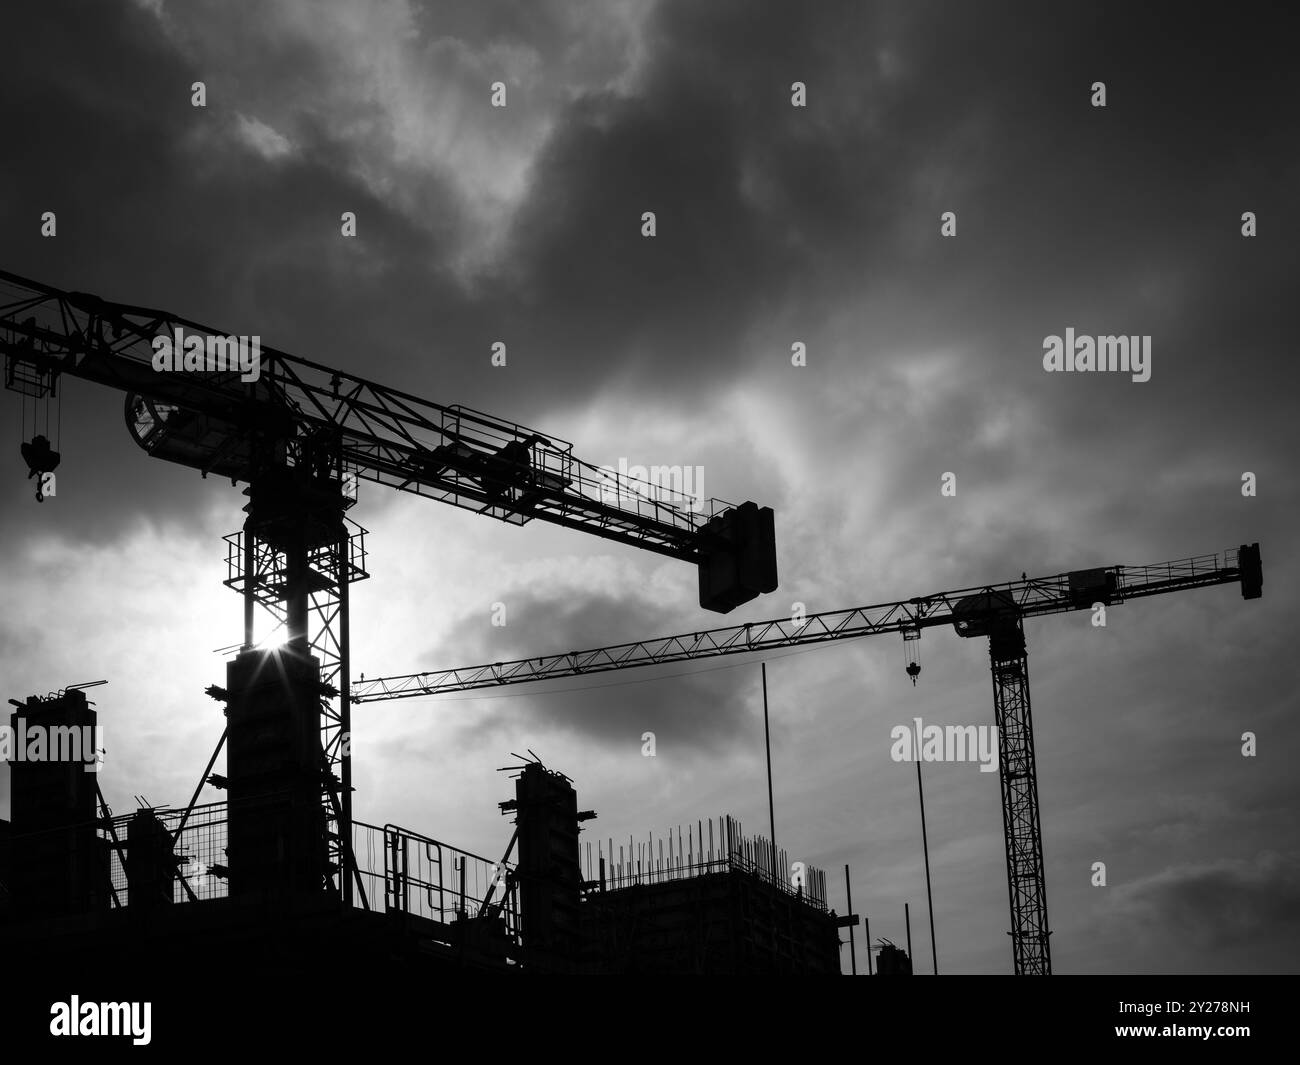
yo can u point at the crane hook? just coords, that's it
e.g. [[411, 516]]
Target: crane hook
[[41, 460], [912, 641]]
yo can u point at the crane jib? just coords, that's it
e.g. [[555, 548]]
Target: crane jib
[[972, 612], [198, 397]]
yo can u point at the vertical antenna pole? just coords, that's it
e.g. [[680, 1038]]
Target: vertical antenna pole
[[925, 846], [907, 916], [853, 950], [767, 739]]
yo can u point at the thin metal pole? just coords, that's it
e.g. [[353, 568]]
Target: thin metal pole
[[767, 739], [866, 924], [853, 950], [907, 916], [925, 845], [250, 600], [176, 833], [346, 856], [118, 849]]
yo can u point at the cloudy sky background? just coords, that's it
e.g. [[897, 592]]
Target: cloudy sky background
[[775, 224]]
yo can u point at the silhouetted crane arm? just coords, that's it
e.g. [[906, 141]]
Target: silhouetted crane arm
[[222, 421], [971, 611]]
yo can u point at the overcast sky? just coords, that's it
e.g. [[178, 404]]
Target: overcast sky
[[775, 224]]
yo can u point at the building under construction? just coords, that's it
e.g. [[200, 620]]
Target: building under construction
[[252, 880], [281, 869]]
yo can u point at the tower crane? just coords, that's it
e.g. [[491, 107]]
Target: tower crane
[[994, 611], [299, 434]]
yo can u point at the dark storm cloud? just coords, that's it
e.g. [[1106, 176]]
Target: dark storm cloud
[[691, 716], [1251, 906], [1118, 220], [692, 707], [762, 207], [87, 140], [913, 110], [158, 205]]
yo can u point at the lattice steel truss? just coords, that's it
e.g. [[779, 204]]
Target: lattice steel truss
[[211, 420], [964, 609], [297, 561], [1022, 831]]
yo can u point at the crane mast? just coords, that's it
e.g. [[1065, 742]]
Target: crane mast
[[996, 612]]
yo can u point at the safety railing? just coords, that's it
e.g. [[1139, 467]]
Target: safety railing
[[397, 870], [429, 878]]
